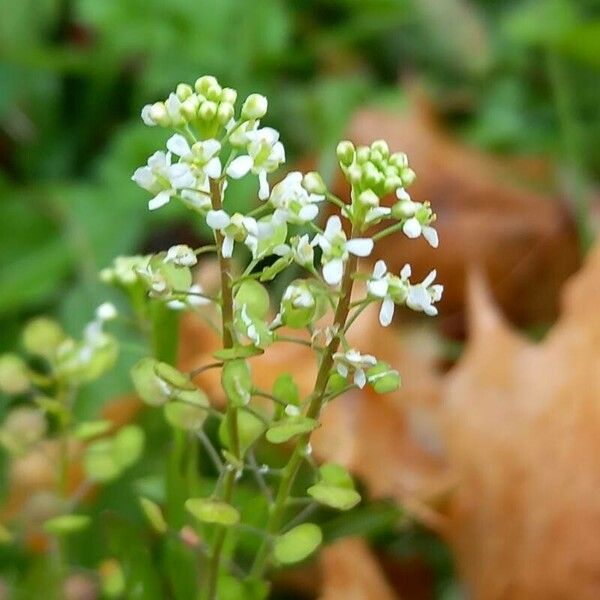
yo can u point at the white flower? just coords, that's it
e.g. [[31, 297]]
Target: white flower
[[336, 248], [181, 255], [163, 179], [378, 286], [193, 297], [302, 250], [106, 312], [292, 202], [147, 116], [234, 228], [422, 295], [354, 361], [202, 156], [265, 154], [418, 217]]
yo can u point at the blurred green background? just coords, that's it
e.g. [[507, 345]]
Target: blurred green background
[[511, 77]]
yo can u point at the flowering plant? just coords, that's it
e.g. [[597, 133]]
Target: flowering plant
[[212, 143]]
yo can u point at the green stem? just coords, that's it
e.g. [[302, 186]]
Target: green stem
[[314, 409], [210, 590]]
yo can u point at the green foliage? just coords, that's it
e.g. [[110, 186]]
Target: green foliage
[[298, 543]]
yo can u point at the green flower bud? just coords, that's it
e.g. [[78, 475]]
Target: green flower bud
[[381, 147], [399, 160], [392, 183], [225, 112], [213, 92], [189, 107], [228, 95], [355, 174], [362, 154], [183, 91], [42, 337], [158, 113], [371, 175], [408, 176], [207, 110], [204, 83], [14, 374], [368, 198], [345, 153], [313, 183], [255, 107]]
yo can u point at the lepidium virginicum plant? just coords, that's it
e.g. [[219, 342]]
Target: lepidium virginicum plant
[[213, 143]]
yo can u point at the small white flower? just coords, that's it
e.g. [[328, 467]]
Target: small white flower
[[202, 156], [378, 286], [336, 248], [181, 255], [193, 297], [418, 218], [265, 154], [147, 117], [354, 361], [422, 295], [292, 202], [162, 178], [234, 228], [106, 312]]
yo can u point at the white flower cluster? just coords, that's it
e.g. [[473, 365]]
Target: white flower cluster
[[399, 290]]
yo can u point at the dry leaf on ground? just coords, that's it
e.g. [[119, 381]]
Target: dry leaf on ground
[[523, 437]]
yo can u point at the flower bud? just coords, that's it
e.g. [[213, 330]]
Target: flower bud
[[189, 107], [345, 153], [298, 305], [158, 113], [255, 107], [213, 93], [313, 183], [392, 183], [355, 174], [204, 83], [371, 175], [42, 337], [228, 95], [362, 154], [225, 112], [14, 374], [207, 110], [184, 91], [408, 176], [381, 147], [368, 198], [399, 160]]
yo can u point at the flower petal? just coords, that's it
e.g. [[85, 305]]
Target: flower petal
[[263, 185], [360, 246], [333, 271], [386, 313], [240, 166], [360, 379], [213, 168], [227, 247], [308, 212], [178, 145], [431, 235], [412, 228], [159, 200], [217, 219]]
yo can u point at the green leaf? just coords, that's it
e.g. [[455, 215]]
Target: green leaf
[[147, 384], [284, 430], [91, 429], [250, 428], [185, 416], [230, 354], [66, 524], [334, 496], [128, 445], [298, 543], [99, 463], [212, 511], [154, 515], [237, 382], [286, 389]]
